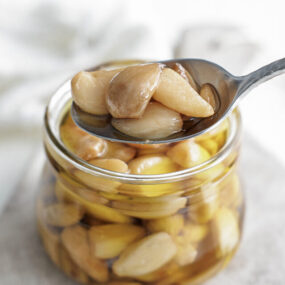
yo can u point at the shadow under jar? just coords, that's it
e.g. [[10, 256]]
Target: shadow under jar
[[123, 214]]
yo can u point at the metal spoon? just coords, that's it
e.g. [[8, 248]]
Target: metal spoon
[[230, 90]]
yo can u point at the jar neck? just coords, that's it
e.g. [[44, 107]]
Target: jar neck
[[60, 104]]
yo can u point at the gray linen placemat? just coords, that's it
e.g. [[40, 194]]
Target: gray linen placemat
[[260, 260]]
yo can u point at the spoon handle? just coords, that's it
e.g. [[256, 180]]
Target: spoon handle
[[261, 75]]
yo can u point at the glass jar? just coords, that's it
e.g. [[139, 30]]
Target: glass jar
[[169, 224]]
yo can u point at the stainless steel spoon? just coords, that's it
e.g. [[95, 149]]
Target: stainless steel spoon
[[230, 90]]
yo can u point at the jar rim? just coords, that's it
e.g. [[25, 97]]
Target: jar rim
[[57, 108]]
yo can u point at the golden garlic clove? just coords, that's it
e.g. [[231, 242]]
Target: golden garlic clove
[[95, 210], [144, 210], [112, 164], [89, 90], [62, 215], [90, 147], [75, 241], [210, 145], [187, 243], [226, 231], [99, 183], [119, 150], [186, 75], [208, 93], [70, 268], [81, 143], [145, 256], [172, 225], [188, 154], [90, 195], [108, 241], [194, 233], [131, 90], [212, 174], [151, 190], [203, 207], [152, 164], [157, 122], [230, 191], [186, 254], [176, 93]]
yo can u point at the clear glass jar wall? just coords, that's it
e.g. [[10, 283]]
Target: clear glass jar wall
[[124, 214]]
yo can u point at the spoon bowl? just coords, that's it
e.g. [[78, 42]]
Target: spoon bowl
[[229, 90]]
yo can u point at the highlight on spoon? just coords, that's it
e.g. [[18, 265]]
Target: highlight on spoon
[[144, 103]]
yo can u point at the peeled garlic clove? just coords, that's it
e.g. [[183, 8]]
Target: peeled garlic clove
[[145, 210], [186, 75], [75, 241], [152, 164], [173, 225], [210, 145], [91, 196], [99, 183], [188, 154], [89, 89], [186, 254], [70, 268], [226, 231], [95, 210], [208, 94], [108, 241], [145, 256], [212, 174], [62, 215], [186, 247], [194, 233], [149, 190], [112, 164], [230, 191], [176, 93], [120, 151], [204, 205], [70, 134], [90, 147], [131, 90], [156, 122], [81, 143]]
